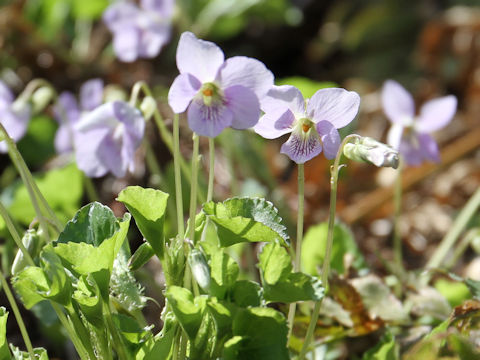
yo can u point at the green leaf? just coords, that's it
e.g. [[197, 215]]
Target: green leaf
[[314, 245], [258, 333], [306, 86], [275, 263], [454, 292], [131, 331], [148, 209], [40, 353], [188, 310], [224, 272], [62, 188], [247, 293], [246, 220], [92, 224], [159, 348], [141, 256], [88, 298], [88, 9], [385, 350], [27, 284], [295, 287], [4, 353], [174, 264]]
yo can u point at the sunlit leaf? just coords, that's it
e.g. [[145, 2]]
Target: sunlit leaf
[[224, 272], [4, 353]]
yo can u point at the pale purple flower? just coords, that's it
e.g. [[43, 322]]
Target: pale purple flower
[[218, 93], [139, 32], [313, 124], [409, 133], [111, 134], [67, 112], [14, 115]]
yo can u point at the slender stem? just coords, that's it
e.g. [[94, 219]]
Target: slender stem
[[458, 226], [18, 316], [328, 250], [81, 330], [90, 188], [298, 247], [152, 163], [193, 190], [462, 246], [117, 340], [397, 239], [183, 346], [15, 235], [178, 177], [211, 169]]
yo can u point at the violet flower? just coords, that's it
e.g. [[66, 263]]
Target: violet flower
[[218, 93], [67, 112], [14, 115], [111, 134], [139, 32], [409, 133], [313, 125]]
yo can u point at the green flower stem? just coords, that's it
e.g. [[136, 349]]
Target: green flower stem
[[211, 169], [178, 177], [15, 235], [328, 251], [18, 316], [298, 246], [90, 188], [15, 157], [397, 239], [81, 330], [119, 345], [456, 229], [193, 190]]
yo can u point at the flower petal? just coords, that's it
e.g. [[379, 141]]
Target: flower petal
[[394, 136], [330, 139], [428, 147], [6, 94], [301, 147], [66, 108], [182, 91], [132, 119], [162, 7], [86, 145], [152, 41], [251, 73], [91, 94], [126, 43], [200, 58], [208, 120], [436, 113], [284, 97], [244, 105], [119, 15], [397, 103], [15, 124], [338, 106], [63, 139], [102, 117], [275, 124], [410, 151], [109, 153]]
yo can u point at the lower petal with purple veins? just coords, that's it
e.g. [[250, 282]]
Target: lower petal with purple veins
[[330, 138], [410, 150], [302, 145], [244, 105], [208, 120], [428, 147]]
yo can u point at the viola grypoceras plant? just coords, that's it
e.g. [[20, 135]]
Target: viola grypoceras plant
[[14, 115], [410, 133], [217, 93], [313, 125], [139, 31]]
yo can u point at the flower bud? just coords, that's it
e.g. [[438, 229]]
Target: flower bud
[[114, 93], [148, 107], [200, 269], [41, 97], [371, 151], [31, 240]]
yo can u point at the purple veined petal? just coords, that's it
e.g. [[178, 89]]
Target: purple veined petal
[[126, 43], [248, 72], [397, 103], [275, 123], [63, 139], [338, 106], [394, 136], [91, 94], [103, 117], [301, 147], [109, 153], [428, 147], [86, 145], [330, 138], [152, 40], [208, 120], [284, 96], [163, 7], [119, 15], [199, 58], [132, 119], [6, 94], [66, 108], [244, 105], [436, 113], [182, 91], [410, 150]]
